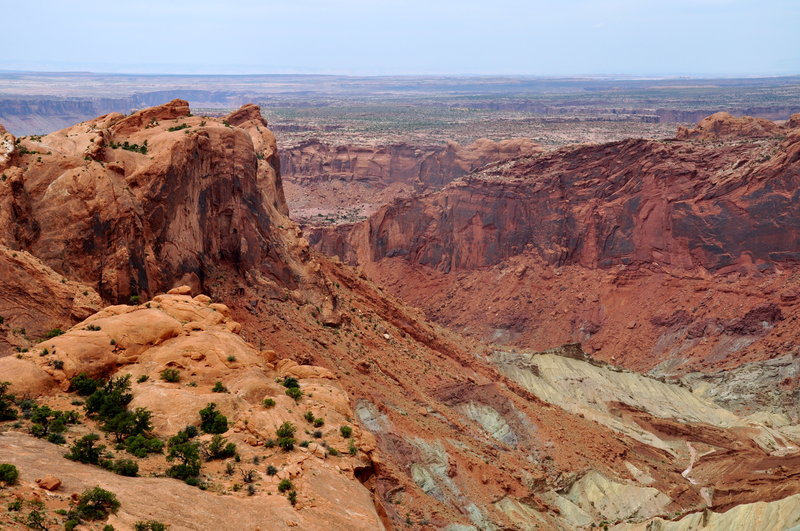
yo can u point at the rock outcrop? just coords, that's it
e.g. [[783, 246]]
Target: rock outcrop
[[590, 239], [327, 184]]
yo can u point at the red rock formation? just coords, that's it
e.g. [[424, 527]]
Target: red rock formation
[[327, 181], [722, 125], [200, 205], [621, 212]]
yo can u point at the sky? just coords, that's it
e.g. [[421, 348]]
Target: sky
[[385, 37]]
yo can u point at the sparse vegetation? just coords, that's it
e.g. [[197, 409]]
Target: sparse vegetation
[[96, 504], [84, 385], [149, 525], [8, 474], [7, 411], [219, 388], [178, 127], [285, 433], [55, 332], [86, 449], [284, 485], [268, 403], [346, 431], [171, 375], [140, 445], [219, 448], [212, 421]]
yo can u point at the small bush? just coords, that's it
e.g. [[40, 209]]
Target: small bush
[[92, 328], [292, 497], [220, 448], [295, 393], [317, 434], [140, 445], [219, 388], [231, 358], [8, 474], [212, 421], [142, 379], [171, 375], [268, 403], [333, 451], [309, 416], [291, 382], [318, 423], [55, 332], [150, 525], [271, 470], [96, 504], [134, 300], [188, 453], [346, 431], [7, 411], [178, 127], [84, 385], [285, 485], [86, 449], [126, 467]]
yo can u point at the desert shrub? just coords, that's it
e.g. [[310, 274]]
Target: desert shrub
[[84, 385], [292, 497], [8, 474], [231, 358], [220, 448], [92, 328], [271, 470], [7, 411], [187, 452], [212, 421], [219, 388], [346, 431], [126, 467], [295, 393], [291, 382], [111, 399], [268, 403], [317, 434], [143, 378], [285, 433], [96, 504], [48, 421], [36, 520], [333, 451], [86, 449], [352, 448], [129, 423], [318, 423], [284, 485], [140, 445], [171, 375], [309, 416], [178, 127], [150, 525], [55, 332]]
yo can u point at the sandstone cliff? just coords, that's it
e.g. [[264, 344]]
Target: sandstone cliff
[[602, 244]]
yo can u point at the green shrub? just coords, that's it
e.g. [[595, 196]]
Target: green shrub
[[220, 448], [294, 393], [285, 485], [171, 375], [92, 328], [55, 332], [84, 385], [309, 416], [7, 411], [352, 448], [285, 433], [219, 388], [140, 445], [317, 434], [126, 467], [150, 525], [111, 399], [128, 423], [178, 127], [143, 378], [268, 403], [271, 470], [291, 382], [212, 421], [346, 431], [333, 451], [96, 504], [8, 474], [318, 423], [292, 497], [86, 449], [36, 520], [188, 453]]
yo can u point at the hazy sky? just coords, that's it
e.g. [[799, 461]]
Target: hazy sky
[[537, 37]]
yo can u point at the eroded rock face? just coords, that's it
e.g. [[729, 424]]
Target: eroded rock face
[[598, 243], [722, 125], [135, 204], [325, 181]]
